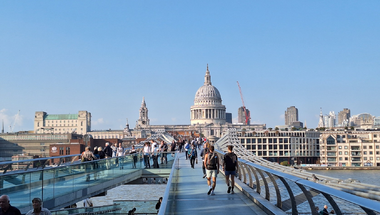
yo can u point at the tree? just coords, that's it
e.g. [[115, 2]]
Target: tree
[[286, 129], [270, 129], [294, 128], [276, 128], [352, 128], [252, 129], [284, 163]]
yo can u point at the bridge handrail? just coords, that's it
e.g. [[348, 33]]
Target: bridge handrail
[[363, 202], [37, 159], [165, 198]]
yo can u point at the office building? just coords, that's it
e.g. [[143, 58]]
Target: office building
[[291, 115], [242, 116], [343, 117]]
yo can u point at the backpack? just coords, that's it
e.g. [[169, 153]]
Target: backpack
[[187, 146], [211, 163], [192, 153]]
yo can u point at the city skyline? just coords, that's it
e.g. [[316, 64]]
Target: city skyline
[[104, 57]]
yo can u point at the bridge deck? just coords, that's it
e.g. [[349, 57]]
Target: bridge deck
[[191, 197]]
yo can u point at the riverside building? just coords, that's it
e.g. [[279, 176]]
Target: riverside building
[[45, 123], [350, 148], [296, 147]]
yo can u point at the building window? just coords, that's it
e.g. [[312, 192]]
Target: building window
[[364, 147], [371, 158], [346, 153], [377, 147], [60, 150], [371, 152], [340, 158], [340, 153], [67, 150], [365, 153], [370, 147], [346, 158]]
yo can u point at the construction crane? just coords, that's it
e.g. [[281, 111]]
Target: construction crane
[[247, 115], [11, 127]]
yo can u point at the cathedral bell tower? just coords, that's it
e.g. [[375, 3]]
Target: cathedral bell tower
[[143, 120]]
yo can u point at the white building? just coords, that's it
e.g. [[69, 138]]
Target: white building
[[350, 148], [62, 123]]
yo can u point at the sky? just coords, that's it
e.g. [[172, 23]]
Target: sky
[[105, 56]]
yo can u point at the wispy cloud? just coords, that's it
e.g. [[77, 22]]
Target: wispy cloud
[[98, 121]]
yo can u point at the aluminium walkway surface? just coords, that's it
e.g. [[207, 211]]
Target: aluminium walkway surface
[[191, 197]]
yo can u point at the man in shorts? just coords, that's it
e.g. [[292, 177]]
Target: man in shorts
[[230, 166], [211, 163]]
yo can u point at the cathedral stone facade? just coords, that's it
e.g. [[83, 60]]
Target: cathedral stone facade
[[208, 107]]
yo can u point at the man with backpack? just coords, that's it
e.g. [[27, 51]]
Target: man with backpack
[[193, 155], [230, 166], [204, 151], [212, 169]]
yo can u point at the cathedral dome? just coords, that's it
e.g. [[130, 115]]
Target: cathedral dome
[[208, 107], [207, 94]]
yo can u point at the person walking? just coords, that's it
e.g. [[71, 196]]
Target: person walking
[[37, 208], [193, 155], [187, 147], [114, 149], [230, 166], [108, 150], [132, 152], [101, 153], [120, 150], [87, 155], [204, 151], [7, 208], [164, 150], [172, 147], [212, 169], [146, 152]]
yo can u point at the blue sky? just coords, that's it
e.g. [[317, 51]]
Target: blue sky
[[104, 56]]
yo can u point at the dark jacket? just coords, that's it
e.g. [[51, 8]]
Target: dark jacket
[[108, 151], [102, 154]]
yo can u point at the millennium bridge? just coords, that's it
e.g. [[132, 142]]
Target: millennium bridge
[[262, 187]]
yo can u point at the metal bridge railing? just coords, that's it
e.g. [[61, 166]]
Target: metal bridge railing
[[269, 178], [50, 183]]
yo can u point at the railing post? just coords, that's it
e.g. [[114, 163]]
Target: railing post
[[267, 194], [332, 203], [278, 195], [249, 175], [258, 187], [309, 199], [291, 196]]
